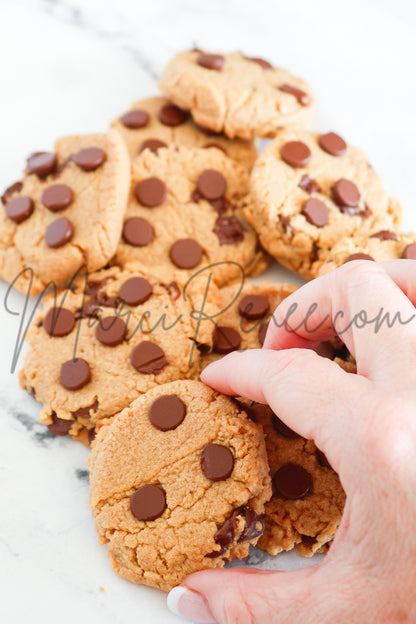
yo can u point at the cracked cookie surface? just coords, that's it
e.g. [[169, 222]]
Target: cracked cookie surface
[[178, 482], [310, 190], [66, 212], [155, 122], [235, 94]]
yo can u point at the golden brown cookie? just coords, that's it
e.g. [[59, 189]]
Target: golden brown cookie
[[66, 212], [310, 190], [97, 346], [178, 481], [236, 94], [155, 122], [185, 212]]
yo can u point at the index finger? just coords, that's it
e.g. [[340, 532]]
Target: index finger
[[365, 303]]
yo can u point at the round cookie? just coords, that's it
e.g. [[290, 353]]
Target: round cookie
[[66, 212], [185, 212], [155, 123], [99, 345], [308, 499], [236, 94], [310, 190], [380, 247], [178, 482]]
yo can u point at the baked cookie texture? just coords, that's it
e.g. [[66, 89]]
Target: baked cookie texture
[[185, 212], [235, 94], [155, 122], [380, 247], [310, 190], [308, 499], [170, 502], [94, 348], [66, 212]]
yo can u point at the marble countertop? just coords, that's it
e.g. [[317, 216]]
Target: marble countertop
[[70, 66]]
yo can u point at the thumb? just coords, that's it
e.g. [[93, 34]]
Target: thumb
[[246, 596]]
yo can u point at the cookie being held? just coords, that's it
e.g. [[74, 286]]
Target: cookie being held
[[239, 95], [155, 122], [310, 190], [66, 212], [178, 484]]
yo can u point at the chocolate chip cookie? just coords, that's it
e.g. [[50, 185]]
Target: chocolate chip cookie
[[97, 346], [185, 212], [310, 190], [66, 212], [178, 484], [155, 123], [239, 95]]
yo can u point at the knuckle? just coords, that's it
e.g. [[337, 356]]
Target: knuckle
[[356, 273], [286, 365]]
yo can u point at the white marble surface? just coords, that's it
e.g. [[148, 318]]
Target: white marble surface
[[70, 66]]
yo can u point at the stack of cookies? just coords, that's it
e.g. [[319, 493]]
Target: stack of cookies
[[138, 243]]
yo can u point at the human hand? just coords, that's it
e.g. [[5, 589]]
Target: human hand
[[366, 426]]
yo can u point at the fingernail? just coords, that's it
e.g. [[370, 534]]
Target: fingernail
[[189, 604]]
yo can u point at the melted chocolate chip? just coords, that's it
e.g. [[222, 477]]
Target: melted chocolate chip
[[281, 428], [217, 462], [171, 115], [384, 235], [259, 61], [358, 256], [224, 537], [301, 96], [11, 190], [332, 144], [167, 412], [229, 230], [138, 232], [151, 192], [253, 307], [59, 232], [296, 154], [111, 331], [148, 502], [89, 158], [308, 540], [322, 460], [409, 252], [211, 61], [59, 322], [285, 223], [60, 426], [135, 119], [20, 208], [186, 253], [225, 339], [148, 358], [292, 481], [252, 530], [309, 185], [57, 197], [75, 374], [41, 164], [135, 291], [85, 411], [153, 145]]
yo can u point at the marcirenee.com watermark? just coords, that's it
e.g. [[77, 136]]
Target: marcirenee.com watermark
[[293, 319]]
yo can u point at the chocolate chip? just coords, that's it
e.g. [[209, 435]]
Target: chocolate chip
[[111, 331], [296, 154], [301, 96], [346, 193], [148, 502], [409, 252], [253, 307], [262, 332], [211, 61], [358, 256], [20, 208], [136, 118], [308, 540], [252, 530], [91, 435], [41, 163], [60, 426], [148, 358], [75, 374], [224, 537], [167, 412], [322, 460], [59, 322], [153, 145], [221, 204], [207, 131], [85, 411], [316, 212], [10, 190], [229, 230], [135, 291], [186, 253], [89, 158], [309, 185], [285, 223], [264, 64], [292, 481], [326, 350], [171, 115], [59, 232], [333, 144], [151, 192], [217, 462], [211, 184], [225, 339], [280, 427], [57, 197], [220, 147], [385, 235], [173, 290], [138, 232], [247, 409]]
